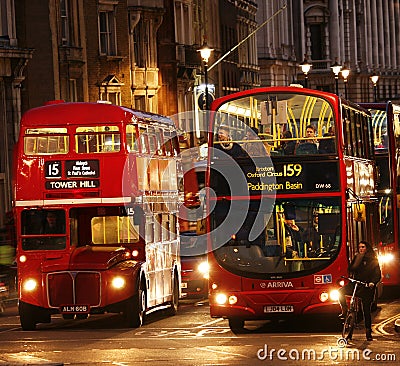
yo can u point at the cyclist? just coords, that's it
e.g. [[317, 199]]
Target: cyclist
[[364, 267]]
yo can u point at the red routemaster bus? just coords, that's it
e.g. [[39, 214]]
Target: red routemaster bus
[[95, 205], [292, 191], [386, 128]]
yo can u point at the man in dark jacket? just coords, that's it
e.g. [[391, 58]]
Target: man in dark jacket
[[364, 267]]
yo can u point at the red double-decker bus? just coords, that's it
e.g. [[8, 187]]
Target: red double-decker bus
[[292, 192], [386, 128], [95, 204]]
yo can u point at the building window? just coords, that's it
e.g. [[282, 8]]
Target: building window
[[183, 22], [110, 90], [107, 33], [64, 15], [73, 92], [317, 42]]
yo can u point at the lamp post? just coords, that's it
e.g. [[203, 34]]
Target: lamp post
[[205, 53], [345, 73], [305, 68], [374, 78], [336, 67]]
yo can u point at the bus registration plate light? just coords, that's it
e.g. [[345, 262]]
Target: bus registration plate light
[[278, 309], [73, 309]]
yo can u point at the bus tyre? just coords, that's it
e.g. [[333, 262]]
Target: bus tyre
[[135, 309], [236, 325], [175, 297], [27, 316]]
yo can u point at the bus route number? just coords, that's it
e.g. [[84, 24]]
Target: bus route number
[[52, 169], [290, 170]]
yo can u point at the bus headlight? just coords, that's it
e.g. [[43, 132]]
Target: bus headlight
[[30, 285], [118, 282], [221, 299], [323, 296], [203, 268], [334, 295]]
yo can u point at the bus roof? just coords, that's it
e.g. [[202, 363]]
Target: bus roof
[[79, 113]]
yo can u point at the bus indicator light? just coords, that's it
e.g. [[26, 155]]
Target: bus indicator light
[[30, 285]]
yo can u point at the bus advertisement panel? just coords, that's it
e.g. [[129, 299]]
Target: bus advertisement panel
[[292, 191], [95, 205]]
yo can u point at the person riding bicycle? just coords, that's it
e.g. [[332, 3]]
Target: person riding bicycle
[[364, 267]]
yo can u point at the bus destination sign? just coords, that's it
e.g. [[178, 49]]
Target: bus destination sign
[[304, 177], [82, 168]]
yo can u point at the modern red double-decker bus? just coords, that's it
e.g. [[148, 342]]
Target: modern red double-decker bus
[[95, 203], [292, 192], [386, 128]]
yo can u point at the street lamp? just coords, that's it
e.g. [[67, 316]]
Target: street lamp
[[205, 53], [345, 73], [374, 79], [305, 68], [336, 67]]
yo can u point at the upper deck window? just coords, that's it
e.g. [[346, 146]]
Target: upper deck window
[[114, 230], [131, 136], [97, 139], [286, 123], [46, 141]]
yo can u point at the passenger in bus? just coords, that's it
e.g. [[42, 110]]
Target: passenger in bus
[[310, 145], [252, 147], [327, 146], [293, 238], [312, 237], [364, 267], [288, 147], [52, 226], [226, 144]]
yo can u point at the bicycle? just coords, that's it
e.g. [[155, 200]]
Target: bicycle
[[351, 314]]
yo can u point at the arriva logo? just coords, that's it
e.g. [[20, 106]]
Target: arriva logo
[[279, 284]]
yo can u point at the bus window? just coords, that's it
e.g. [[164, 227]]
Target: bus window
[[46, 141], [114, 230], [41, 226], [97, 139], [131, 143]]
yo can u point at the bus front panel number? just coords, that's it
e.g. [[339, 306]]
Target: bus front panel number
[[290, 170], [53, 169]]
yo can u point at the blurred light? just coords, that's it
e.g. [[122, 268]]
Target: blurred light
[[22, 258], [118, 282], [385, 258], [334, 295], [30, 285], [341, 283], [221, 299], [232, 300], [204, 268], [135, 253], [214, 286]]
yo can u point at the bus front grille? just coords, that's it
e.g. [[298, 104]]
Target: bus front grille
[[73, 288]]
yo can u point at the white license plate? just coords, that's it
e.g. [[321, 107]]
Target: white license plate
[[73, 309], [184, 285], [278, 309]]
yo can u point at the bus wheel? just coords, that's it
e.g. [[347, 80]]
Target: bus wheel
[[175, 297], [135, 308], [27, 316], [236, 325]]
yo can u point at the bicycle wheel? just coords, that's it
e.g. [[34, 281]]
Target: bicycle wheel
[[348, 325]]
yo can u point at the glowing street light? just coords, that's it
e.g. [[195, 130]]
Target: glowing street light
[[205, 53], [374, 79], [336, 67], [305, 68], [345, 73]]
